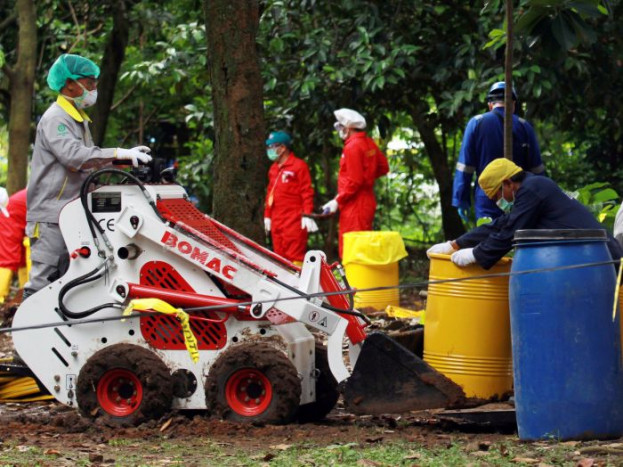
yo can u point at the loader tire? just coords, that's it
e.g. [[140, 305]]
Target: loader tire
[[253, 383], [124, 385], [327, 392]]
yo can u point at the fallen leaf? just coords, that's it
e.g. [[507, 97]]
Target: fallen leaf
[[165, 425], [51, 452], [412, 457], [525, 460], [586, 462], [368, 462], [570, 443], [281, 447], [95, 457]]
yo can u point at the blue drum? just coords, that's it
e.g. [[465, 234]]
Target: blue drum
[[566, 347]]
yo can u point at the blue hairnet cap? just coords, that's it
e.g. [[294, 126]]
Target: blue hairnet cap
[[70, 66], [279, 137]]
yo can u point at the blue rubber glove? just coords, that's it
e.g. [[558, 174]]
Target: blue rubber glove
[[464, 214]]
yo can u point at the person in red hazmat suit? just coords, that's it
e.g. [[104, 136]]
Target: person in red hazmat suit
[[12, 232], [362, 162], [288, 197]]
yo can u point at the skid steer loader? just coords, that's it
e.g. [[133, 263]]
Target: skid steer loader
[[249, 317]]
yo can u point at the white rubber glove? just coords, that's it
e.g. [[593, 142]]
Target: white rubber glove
[[267, 224], [463, 257], [137, 155], [330, 207], [444, 248], [307, 223]]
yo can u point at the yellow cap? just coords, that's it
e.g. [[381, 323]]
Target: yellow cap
[[498, 170]]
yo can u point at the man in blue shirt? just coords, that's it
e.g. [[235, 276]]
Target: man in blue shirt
[[529, 202], [483, 141]]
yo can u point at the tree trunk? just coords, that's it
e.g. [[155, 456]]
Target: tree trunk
[[240, 164], [114, 53], [451, 222], [22, 77]]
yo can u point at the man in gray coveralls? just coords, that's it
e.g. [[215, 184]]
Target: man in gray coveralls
[[62, 158]]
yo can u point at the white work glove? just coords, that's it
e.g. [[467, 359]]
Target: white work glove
[[330, 207], [139, 154], [463, 257], [444, 248], [267, 224], [307, 223]]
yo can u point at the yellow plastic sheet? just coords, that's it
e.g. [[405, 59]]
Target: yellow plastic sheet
[[373, 247], [145, 304], [404, 313]]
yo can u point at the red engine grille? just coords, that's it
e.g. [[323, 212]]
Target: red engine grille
[[180, 210], [164, 332]]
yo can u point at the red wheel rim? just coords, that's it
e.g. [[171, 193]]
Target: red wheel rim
[[119, 392], [248, 392]]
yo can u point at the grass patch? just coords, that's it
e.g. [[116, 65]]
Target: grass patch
[[204, 451]]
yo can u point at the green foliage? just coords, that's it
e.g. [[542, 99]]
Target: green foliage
[[483, 220], [402, 64], [601, 200], [4, 151]]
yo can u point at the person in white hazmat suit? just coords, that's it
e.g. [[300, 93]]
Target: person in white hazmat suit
[[63, 156]]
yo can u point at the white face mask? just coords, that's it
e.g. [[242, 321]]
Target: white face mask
[[343, 132], [87, 99]]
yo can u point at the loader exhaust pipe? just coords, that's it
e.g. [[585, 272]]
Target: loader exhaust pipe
[[130, 252]]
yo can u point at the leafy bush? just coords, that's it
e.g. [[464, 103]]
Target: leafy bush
[[601, 200]]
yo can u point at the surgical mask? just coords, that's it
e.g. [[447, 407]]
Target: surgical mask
[[272, 154], [343, 132], [87, 99], [504, 205]]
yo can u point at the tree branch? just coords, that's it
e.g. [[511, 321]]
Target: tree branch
[[123, 98], [7, 21], [136, 130], [7, 70]]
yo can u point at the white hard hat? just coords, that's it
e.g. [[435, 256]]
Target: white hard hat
[[349, 119], [4, 201]]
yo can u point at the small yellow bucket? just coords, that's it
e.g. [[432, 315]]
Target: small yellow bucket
[[467, 333], [371, 260]]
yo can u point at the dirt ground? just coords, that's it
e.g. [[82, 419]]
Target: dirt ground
[[54, 428], [59, 433]]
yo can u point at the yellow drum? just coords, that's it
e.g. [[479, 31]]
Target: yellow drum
[[371, 260], [467, 333]]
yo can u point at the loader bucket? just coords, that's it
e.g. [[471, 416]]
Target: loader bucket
[[387, 378]]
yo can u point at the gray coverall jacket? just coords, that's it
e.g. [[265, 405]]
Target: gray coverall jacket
[[62, 158]]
